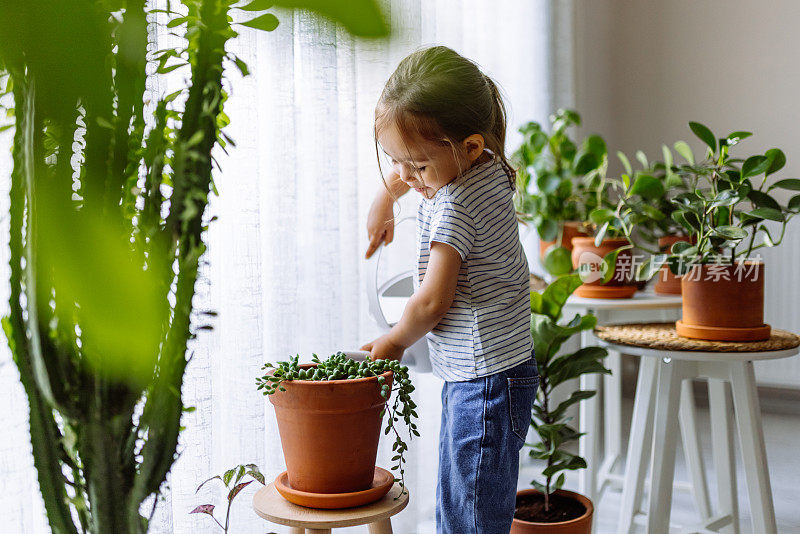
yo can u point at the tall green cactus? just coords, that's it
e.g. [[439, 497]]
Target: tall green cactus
[[108, 196]]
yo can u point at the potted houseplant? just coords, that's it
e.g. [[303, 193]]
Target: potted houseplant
[[604, 259], [727, 216], [107, 225], [561, 172], [547, 507], [329, 416], [644, 208]]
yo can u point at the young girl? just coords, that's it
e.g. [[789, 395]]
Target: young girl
[[442, 124]]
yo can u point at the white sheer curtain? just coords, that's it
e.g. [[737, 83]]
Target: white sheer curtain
[[285, 269]]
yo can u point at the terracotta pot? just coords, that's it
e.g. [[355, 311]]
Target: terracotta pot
[[666, 282], [571, 229], [579, 525], [621, 284], [724, 303], [329, 432]]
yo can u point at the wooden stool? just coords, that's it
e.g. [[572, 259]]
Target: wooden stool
[[270, 505], [728, 366]]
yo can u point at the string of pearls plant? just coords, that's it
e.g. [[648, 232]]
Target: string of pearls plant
[[339, 367]]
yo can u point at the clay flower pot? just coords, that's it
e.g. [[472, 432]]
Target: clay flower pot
[[668, 283], [579, 525], [571, 229], [621, 285], [724, 303], [329, 432]]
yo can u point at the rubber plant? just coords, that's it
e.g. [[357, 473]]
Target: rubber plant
[[564, 174], [107, 217], [558, 370]]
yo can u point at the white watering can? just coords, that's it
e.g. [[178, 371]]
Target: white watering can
[[392, 296]]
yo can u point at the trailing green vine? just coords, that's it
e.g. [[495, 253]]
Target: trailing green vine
[[339, 367]]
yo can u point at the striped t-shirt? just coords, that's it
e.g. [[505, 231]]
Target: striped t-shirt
[[487, 328]]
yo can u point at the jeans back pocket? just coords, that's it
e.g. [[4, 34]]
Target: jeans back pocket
[[521, 395]]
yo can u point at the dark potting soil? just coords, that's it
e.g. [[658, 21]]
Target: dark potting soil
[[531, 508]]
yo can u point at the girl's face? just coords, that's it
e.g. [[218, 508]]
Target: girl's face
[[425, 165]]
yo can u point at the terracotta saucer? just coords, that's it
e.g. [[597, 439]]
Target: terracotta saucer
[[381, 485], [728, 333], [605, 292]]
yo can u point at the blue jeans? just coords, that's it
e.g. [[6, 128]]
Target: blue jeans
[[484, 423]]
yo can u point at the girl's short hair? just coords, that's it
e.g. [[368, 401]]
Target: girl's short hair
[[444, 97]]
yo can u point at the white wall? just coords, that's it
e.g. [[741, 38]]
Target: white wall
[[645, 68]]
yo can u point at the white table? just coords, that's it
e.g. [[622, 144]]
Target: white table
[[728, 373], [645, 307]]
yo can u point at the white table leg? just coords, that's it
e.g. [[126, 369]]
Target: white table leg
[[691, 447], [588, 424], [639, 444], [381, 527], [722, 445], [666, 428], [612, 409], [754, 454]]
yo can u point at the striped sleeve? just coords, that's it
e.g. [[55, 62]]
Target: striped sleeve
[[452, 225]]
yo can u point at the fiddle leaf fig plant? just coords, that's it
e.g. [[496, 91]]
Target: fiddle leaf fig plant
[[557, 370], [732, 204], [562, 176]]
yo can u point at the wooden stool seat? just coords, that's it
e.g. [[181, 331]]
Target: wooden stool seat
[[270, 505]]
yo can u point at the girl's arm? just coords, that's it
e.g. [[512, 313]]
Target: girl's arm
[[380, 220], [425, 308]]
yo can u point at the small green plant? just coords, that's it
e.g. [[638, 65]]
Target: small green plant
[[724, 212], [552, 423], [339, 367], [232, 480], [564, 176]]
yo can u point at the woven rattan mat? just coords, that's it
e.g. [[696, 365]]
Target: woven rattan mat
[[662, 336]]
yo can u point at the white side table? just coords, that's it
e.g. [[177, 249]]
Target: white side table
[[672, 362], [644, 306]]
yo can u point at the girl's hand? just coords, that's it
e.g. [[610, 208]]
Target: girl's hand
[[380, 222], [384, 349]]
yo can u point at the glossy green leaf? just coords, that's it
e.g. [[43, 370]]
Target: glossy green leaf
[[794, 203], [767, 213], [793, 184], [363, 18], [730, 232], [683, 148], [704, 134], [755, 165], [647, 186], [266, 22], [626, 164], [257, 5], [735, 137], [763, 200], [557, 260], [610, 263], [777, 160]]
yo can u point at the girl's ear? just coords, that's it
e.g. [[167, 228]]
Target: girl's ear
[[473, 146]]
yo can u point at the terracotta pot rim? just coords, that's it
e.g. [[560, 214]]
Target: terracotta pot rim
[[729, 265], [608, 241], [583, 499], [340, 381]]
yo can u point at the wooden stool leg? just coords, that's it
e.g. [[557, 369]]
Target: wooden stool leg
[[318, 531], [754, 454], [640, 441], [722, 445], [691, 447], [297, 530], [666, 428], [381, 527]]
